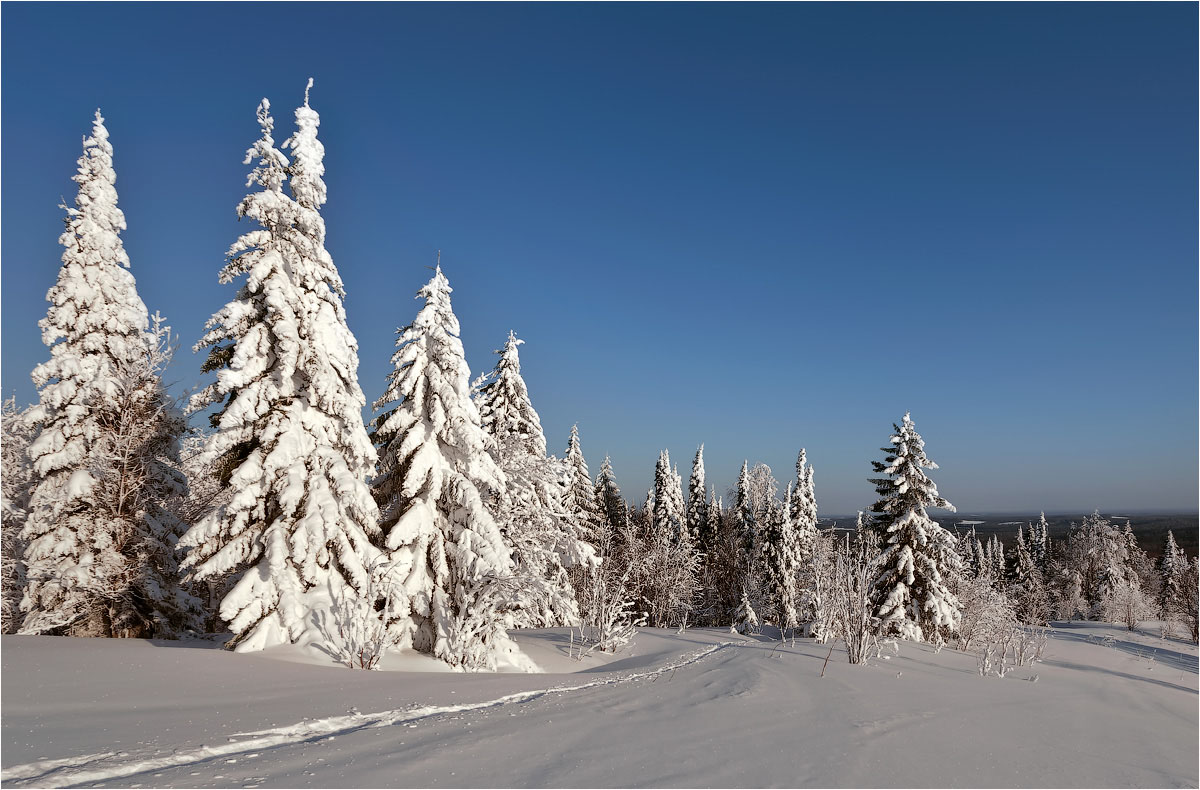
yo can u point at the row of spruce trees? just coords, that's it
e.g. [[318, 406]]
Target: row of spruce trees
[[444, 522]]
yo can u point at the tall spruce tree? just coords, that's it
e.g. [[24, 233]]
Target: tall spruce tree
[[289, 438], [781, 564], [919, 558], [697, 503], [538, 529], [101, 527], [435, 475], [580, 496], [614, 513], [669, 516], [1172, 569]]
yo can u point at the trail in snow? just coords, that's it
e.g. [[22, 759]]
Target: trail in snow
[[103, 766]]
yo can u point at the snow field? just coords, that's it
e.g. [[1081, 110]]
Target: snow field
[[1106, 709]]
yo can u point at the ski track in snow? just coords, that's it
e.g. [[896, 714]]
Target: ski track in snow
[[88, 768]]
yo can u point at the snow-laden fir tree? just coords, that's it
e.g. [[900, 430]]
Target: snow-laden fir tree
[[542, 535], [1172, 568], [697, 504], [980, 554], [802, 507], [614, 538], [288, 434], [668, 564], [996, 562], [782, 557], [1027, 587], [16, 480], [101, 529], [747, 528], [580, 495], [669, 516], [966, 552], [608, 605], [1039, 543], [919, 557], [435, 475]]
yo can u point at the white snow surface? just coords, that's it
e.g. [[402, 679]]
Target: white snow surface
[[1106, 708]]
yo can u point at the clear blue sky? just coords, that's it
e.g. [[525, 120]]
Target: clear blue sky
[[759, 227]]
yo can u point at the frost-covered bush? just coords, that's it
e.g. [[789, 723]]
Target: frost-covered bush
[[987, 614], [856, 566], [1125, 603], [745, 619]]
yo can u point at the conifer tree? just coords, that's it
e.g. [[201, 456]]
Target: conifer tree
[[435, 475], [580, 496], [288, 434], [668, 565], [781, 564], [919, 558], [1172, 568], [613, 511], [713, 522], [966, 552], [669, 526], [1039, 543], [537, 528], [697, 503], [747, 528], [802, 507], [981, 560], [16, 481], [607, 601], [101, 529]]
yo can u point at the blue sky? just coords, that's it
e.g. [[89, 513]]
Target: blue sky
[[759, 227]]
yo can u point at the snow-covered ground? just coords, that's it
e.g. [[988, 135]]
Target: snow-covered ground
[[1106, 708]]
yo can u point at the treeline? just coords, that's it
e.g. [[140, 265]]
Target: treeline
[[444, 522]]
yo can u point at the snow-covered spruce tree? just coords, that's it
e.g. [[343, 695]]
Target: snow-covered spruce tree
[[781, 565], [16, 480], [912, 594], [100, 530], [668, 566], [720, 575], [608, 605], [966, 553], [802, 504], [435, 475], [1039, 543], [1172, 567], [614, 539], [580, 496], [579, 500], [746, 520], [541, 534], [288, 434], [697, 504], [1027, 588], [669, 517]]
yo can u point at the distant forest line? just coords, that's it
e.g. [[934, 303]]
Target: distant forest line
[[1150, 529]]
